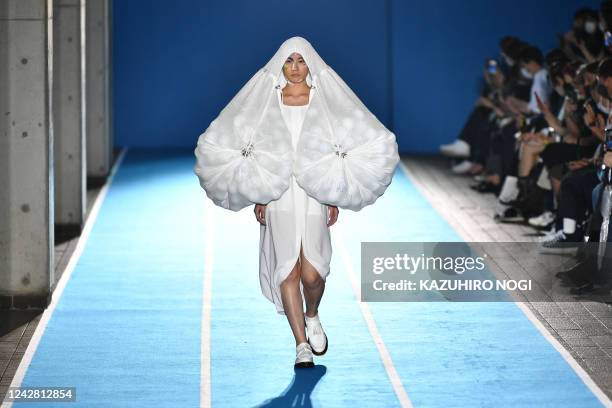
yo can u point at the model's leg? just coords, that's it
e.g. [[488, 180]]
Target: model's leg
[[293, 304], [314, 285]]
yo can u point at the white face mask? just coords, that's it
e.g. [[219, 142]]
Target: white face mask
[[590, 27], [526, 73], [560, 90]]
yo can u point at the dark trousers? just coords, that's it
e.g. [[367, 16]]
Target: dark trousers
[[558, 153], [575, 196], [476, 133], [503, 158]]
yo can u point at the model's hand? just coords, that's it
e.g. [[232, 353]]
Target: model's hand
[[333, 215], [260, 213]]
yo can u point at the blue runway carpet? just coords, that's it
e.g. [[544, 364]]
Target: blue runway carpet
[[127, 331]]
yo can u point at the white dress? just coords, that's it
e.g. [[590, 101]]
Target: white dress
[[292, 219]]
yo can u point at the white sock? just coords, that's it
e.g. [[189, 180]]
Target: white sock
[[569, 226], [509, 190]]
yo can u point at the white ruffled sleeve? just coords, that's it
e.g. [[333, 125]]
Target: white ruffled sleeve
[[245, 157], [345, 156]]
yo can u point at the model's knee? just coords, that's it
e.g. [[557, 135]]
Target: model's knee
[[312, 280], [294, 276]]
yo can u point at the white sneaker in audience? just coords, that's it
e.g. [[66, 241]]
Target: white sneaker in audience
[[552, 231], [462, 168], [459, 148], [542, 220], [559, 243]]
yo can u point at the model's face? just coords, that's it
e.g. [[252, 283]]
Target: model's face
[[295, 68]]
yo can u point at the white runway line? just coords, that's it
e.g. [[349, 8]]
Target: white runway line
[[394, 378], [209, 225], [584, 376], [61, 284]]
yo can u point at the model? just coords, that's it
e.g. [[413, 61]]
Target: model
[[298, 143]]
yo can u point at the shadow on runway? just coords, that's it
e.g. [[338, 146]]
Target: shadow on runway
[[297, 394]]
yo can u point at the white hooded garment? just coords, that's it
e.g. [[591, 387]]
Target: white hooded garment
[[297, 160], [294, 219]]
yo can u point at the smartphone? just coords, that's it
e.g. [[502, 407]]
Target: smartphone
[[538, 98], [608, 140], [492, 66]]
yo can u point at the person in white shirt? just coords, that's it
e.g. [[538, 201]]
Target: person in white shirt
[[532, 67]]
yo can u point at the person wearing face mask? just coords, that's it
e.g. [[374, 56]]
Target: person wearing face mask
[[579, 182], [508, 56], [531, 63], [584, 41], [515, 84], [569, 42], [592, 47], [472, 144]]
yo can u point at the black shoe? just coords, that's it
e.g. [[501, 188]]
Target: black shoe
[[486, 187], [510, 214]]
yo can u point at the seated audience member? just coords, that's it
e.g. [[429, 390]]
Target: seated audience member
[[500, 79]]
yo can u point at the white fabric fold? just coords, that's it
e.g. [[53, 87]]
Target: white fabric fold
[[345, 156]]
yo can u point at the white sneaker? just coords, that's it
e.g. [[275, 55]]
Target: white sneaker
[[462, 168], [558, 243], [459, 148], [552, 231], [509, 191], [303, 356], [315, 334], [542, 220]]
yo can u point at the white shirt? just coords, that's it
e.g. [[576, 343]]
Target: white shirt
[[541, 84]]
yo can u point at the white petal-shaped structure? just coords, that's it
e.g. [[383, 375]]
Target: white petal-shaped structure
[[345, 156], [245, 156]]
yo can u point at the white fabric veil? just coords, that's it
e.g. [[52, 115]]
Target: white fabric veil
[[345, 155]]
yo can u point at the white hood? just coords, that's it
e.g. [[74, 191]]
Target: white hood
[[345, 155]]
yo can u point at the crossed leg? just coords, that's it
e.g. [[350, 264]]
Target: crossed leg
[[293, 303]]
